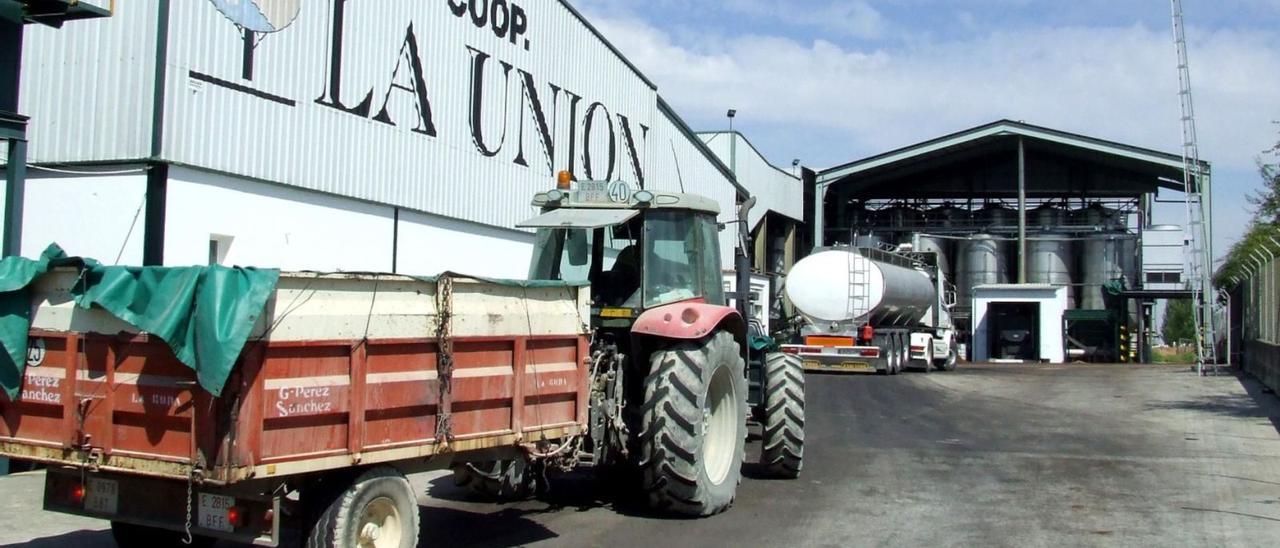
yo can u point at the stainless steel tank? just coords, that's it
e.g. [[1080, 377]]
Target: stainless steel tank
[[868, 240], [821, 284], [939, 246], [948, 216], [996, 216], [1048, 217], [901, 218], [1099, 217], [983, 259], [1050, 260], [1101, 262]]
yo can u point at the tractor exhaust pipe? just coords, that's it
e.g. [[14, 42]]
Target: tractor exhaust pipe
[[742, 260]]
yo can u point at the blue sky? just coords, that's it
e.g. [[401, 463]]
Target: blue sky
[[829, 81]]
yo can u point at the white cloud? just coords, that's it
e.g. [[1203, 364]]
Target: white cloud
[[1116, 83], [849, 18]]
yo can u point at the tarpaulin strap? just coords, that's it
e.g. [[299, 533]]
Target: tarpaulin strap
[[444, 358]]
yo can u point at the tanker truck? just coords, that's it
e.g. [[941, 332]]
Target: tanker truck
[[867, 309]]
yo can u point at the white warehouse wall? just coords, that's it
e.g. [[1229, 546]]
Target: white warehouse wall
[[429, 244], [98, 216], [276, 226], [272, 225]]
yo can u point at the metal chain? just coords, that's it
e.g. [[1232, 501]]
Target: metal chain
[[190, 480], [444, 357]]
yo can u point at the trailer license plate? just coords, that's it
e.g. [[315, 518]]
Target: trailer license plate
[[213, 512], [855, 366], [101, 496], [847, 351]]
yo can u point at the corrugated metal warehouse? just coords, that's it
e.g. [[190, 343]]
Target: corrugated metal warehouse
[[1013, 203], [398, 136]]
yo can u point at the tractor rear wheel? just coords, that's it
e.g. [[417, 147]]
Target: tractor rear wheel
[[694, 426], [502, 480], [782, 454]]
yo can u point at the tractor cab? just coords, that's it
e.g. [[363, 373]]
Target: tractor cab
[[639, 249]]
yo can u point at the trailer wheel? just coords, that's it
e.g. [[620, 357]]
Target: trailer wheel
[[895, 350], [128, 535], [782, 454], [502, 480], [378, 510], [694, 426]]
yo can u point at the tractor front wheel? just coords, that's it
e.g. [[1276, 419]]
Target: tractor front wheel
[[694, 426]]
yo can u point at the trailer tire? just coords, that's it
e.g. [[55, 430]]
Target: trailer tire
[[501, 480], [895, 350], [694, 428], [128, 535], [782, 450], [380, 502]]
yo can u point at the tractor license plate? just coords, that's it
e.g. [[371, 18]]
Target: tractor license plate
[[101, 496], [213, 512]]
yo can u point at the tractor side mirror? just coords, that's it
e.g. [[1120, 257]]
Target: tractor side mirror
[[575, 242]]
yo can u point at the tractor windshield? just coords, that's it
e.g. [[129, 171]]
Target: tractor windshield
[[676, 259], [682, 258]]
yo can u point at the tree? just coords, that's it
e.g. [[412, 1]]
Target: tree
[[1264, 229], [1179, 327]]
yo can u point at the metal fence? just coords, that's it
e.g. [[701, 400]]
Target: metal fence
[[1260, 304], [1255, 319]]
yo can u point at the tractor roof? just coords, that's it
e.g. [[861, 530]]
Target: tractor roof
[[618, 195]]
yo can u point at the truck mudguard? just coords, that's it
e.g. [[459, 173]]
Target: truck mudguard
[[690, 320]]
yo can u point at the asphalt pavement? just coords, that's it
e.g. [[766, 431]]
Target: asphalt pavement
[[989, 455]]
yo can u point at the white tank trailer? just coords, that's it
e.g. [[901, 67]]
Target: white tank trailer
[[869, 310]]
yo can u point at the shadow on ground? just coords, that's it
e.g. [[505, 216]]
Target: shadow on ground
[[80, 539], [1257, 402]]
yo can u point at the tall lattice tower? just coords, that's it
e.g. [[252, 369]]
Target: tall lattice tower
[[1199, 200]]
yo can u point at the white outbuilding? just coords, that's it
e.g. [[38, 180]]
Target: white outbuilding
[[1019, 322]]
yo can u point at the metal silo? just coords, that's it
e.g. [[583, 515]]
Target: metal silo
[[1102, 261], [948, 216], [996, 216], [1048, 217], [1049, 261], [1099, 217], [982, 261], [939, 246]]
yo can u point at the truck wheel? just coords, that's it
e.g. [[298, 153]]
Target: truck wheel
[[782, 454], [495, 480], [952, 360], [694, 426], [378, 510], [128, 535]]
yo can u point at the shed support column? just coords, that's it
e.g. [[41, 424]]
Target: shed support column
[[14, 196], [819, 202], [1022, 213], [12, 132]]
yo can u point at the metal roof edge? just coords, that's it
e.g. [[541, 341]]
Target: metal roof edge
[[1003, 127], [753, 149], [608, 44], [702, 147]]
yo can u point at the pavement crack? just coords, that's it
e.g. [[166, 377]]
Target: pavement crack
[[1255, 516]]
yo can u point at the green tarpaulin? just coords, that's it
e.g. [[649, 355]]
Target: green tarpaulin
[[204, 313]]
